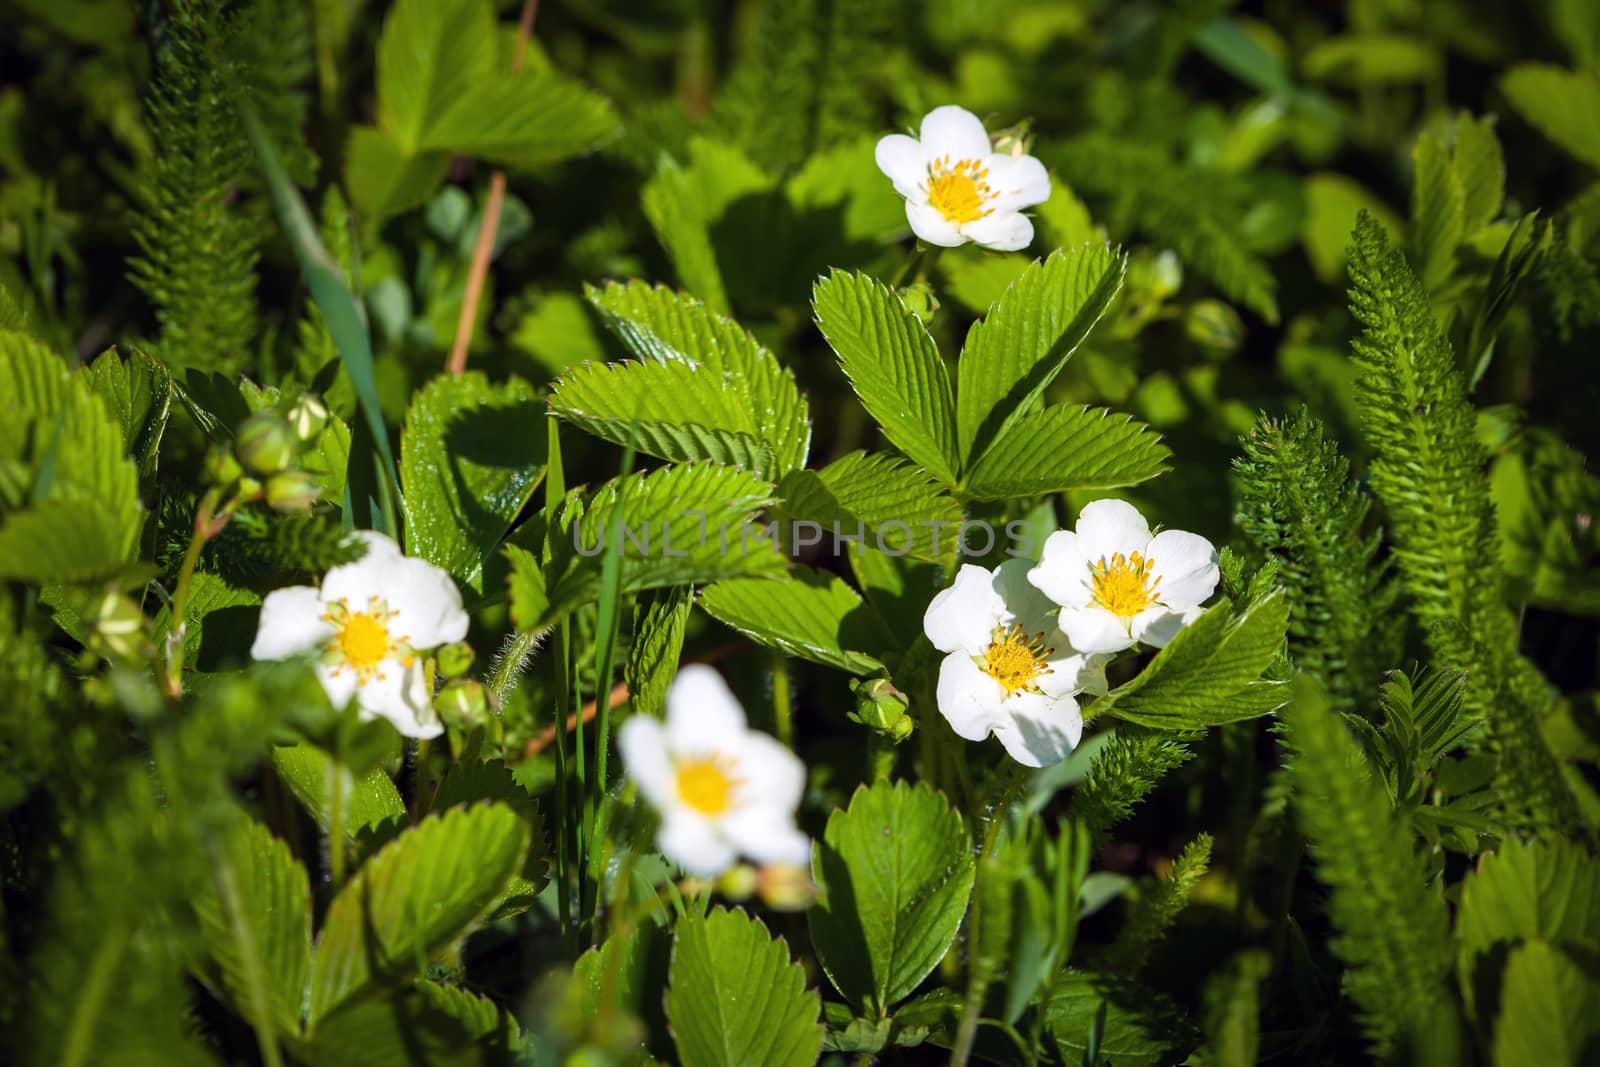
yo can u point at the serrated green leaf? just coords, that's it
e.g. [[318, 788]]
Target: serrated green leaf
[[139, 392], [384, 180], [310, 775], [430, 54], [681, 203], [1019, 347], [264, 940], [659, 621], [760, 397], [734, 998], [894, 367], [419, 893], [1065, 448], [892, 506], [471, 783], [1192, 683], [435, 1025], [1549, 1009], [1482, 169], [1564, 105], [1438, 210], [894, 873], [521, 121], [62, 541], [809, 614], [1141, 1025], [471, 455]]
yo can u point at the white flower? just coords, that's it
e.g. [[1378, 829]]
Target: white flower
[[1117, 584], [958, 188], [1008, 672], [722, 789], [369, 620]]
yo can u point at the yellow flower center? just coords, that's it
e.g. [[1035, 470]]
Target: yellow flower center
[[959, 191], [1124, 585], [1015, 658], [361, 641], [706, 784]]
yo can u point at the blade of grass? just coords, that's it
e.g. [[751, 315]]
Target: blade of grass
[[372, 466], [555, 490]]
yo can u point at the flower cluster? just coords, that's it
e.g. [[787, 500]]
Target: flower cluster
[[1023, 641]]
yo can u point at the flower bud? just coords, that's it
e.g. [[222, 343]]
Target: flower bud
[[119, 629], [222, 467], [786, 887], [738, 883], [463, 704], [882, 707], [308, 417], [454, 660], [265, 444], [921, 301], [1166, 274], [1214, 325], [292, 491], [1014, 141]]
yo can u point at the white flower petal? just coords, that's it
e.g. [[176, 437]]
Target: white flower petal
[[428, 602], [903, 160], [1095, 630], [962, 618], [703, 715], [365, 577], [929, 224], [291, 622], [642, 743], [693, 843], [770, 775], [968, 698], [1106, 527], [1158, 626], [1018, 182], [1071, 671], [767, 835], [955, 132], [399, 694], [1024, 603], [1063, 572], [1040, 730], [1003, 231], [340, 683], [1187, 564]]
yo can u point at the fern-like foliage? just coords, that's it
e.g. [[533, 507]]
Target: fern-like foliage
[[800, 88], [1430, 474], [259, 544], [1392, 927], [1156, 908], [1195, 212], [1299, 505], [198, 245], [1123, 773]]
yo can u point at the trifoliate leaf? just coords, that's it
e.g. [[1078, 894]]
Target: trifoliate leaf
[[1065, 448]]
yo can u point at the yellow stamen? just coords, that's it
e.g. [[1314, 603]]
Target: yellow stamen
[[1124, 585], [1016, 659], [959, 191], [707, 784], [363, 640]]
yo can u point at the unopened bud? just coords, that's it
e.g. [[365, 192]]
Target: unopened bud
[[1166, 274], [786, 887], [1014, 141], [882, 707], [119, 629], [265, 444], [920, 300], [222, 467], [454, 660], [292, 491], [1215, 325], [463, 704], [308, 417], [738, 883]]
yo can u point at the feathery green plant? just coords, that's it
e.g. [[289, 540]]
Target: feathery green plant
[[1156, 908], [1123, 773], [1299, 505]]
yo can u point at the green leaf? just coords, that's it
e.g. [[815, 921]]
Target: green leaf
[[262, 939], [1192, 683], [810, 614], [1482, 168], [431, 54], [435, 1025], [734, 998], [1564, 105], [660, 326], [384, 180], [1233, 1008], [893, 506], [1333, 203], [62, 541], [894, 873], [471, 455], [521, 121], [1438, 211], [1549, 1009], [894, 367], [659, 621], [1019, 347], [310, 775], [681, 203], [1066, 448], [419, 893], [1141, 1025], [139, 392], [467, 784], [1155, 907]]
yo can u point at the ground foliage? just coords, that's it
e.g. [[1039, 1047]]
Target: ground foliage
[[1316, 281]]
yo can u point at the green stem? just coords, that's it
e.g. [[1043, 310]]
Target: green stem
[[91, 996], [205, 527], [782, 700]]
